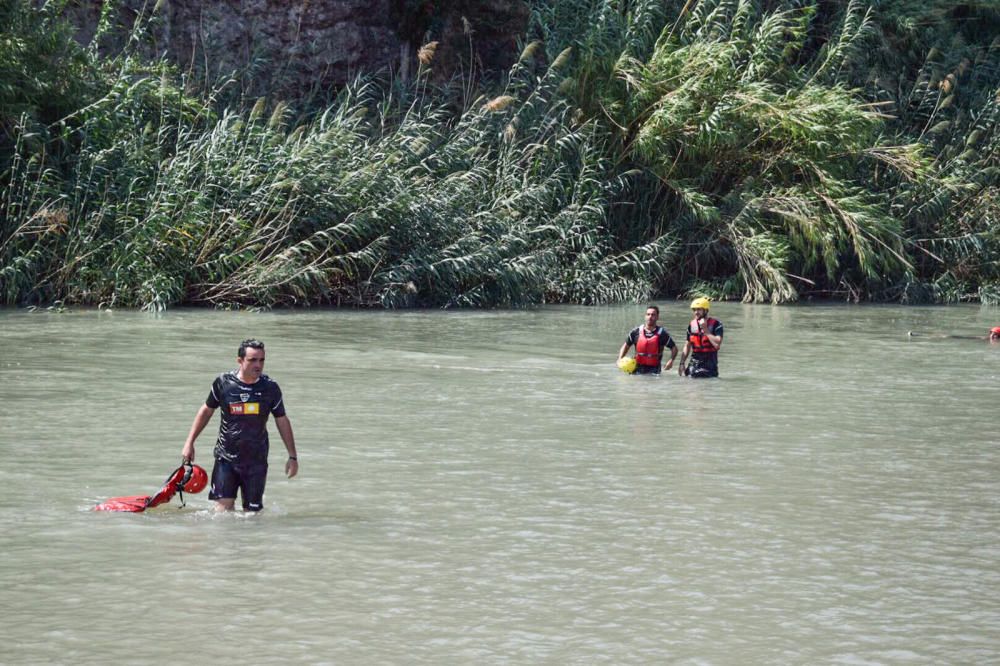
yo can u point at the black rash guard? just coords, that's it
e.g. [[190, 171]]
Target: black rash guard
[[245, 409]]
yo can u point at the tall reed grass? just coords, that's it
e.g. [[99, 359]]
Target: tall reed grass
[[375, 201], [638, 148]]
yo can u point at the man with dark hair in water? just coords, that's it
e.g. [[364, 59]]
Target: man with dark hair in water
[[247, 397], [649, 341]]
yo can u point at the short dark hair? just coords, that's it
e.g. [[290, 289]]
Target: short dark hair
[[249, 344], [654, 307]]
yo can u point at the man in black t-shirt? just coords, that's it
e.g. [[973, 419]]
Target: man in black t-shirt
[[649, 341], [247, 397]]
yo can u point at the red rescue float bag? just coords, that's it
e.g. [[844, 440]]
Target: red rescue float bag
[[135, 504], [186, 478]]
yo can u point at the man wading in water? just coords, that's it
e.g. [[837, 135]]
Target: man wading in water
[[704, 339], [649, 340], [247, 397]]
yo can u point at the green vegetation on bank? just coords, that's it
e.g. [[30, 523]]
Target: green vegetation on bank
[[763, 151]]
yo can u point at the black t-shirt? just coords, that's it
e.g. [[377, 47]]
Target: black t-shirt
[[245, 409]]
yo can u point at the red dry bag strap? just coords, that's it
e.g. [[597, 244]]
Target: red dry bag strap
[[183, 482]]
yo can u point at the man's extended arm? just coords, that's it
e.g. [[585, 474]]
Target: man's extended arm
[[285, 430], [201, 419], [673, 355]]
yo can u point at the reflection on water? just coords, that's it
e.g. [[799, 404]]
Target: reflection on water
[[487, 487]]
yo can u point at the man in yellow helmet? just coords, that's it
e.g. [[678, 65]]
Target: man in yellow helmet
[[704, 339], [650, 341]]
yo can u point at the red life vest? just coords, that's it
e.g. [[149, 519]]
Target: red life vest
[[699, 342], [647, 350]]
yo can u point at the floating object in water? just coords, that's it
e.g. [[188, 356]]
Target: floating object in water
[[627, 365], [187, 478]]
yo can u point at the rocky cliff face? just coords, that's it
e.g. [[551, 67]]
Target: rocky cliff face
[[294, 46]]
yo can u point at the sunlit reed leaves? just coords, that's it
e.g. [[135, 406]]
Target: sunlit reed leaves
[[370, 203], [762, 151]]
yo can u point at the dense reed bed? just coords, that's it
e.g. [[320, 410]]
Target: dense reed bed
[[636, 149]]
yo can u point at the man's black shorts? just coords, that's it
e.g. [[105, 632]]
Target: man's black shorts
[[227, 478]]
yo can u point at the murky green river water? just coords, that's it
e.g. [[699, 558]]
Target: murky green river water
[[486, 487]]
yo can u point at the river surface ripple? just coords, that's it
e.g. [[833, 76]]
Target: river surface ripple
[[486, 487]]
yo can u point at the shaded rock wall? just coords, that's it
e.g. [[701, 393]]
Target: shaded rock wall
[[293, 46]]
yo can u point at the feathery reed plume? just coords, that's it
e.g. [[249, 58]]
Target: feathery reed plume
[[425, 54], [530, 51], [499, 103], [258, 109], [562, 58]]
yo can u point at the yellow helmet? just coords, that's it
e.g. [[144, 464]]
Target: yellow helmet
[[700, 303], [627, 365]]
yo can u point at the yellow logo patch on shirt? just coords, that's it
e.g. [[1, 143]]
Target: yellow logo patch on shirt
[[244, 408]]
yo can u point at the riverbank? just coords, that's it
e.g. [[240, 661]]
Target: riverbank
[[632, 150]]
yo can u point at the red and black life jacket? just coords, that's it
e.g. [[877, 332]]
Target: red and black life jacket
[[647, 350], [699, 342]]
